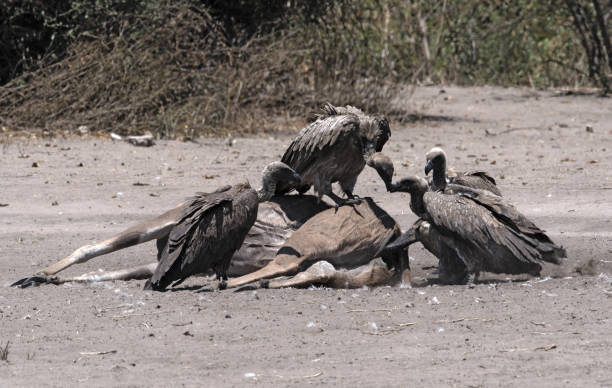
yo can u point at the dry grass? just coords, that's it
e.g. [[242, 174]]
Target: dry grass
[[176, 78]]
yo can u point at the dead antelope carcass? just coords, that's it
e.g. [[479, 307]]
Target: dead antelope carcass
[[201, 233], [348, 237]]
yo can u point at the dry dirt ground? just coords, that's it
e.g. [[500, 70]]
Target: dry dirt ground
[[547, 332]]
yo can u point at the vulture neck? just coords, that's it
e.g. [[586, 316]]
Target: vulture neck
[[439, 175], [416, 204], [268, 187]]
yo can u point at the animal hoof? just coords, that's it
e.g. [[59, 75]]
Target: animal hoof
[[34, 281], [264, 283], [222, 285]]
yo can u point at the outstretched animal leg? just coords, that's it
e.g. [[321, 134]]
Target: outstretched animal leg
[[156, 228], [134, 273], [323, 273], [375, 273], [278, 267], [319, 273]]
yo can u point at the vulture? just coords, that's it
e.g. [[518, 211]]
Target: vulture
[[473, 230], [335, 148], [436, 161], [212, 227]]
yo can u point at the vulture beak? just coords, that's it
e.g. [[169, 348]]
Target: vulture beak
[[428, 167], [403, 241]]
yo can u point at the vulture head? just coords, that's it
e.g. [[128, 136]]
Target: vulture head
[[383, 134], [272, 174], [413, 184], [384, 166], [436, 160]]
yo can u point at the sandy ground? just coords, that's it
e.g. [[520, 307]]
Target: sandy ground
[[548, 332]]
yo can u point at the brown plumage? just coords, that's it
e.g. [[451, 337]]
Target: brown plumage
[[436, 161], [334, 148], [212, 227], [472, 230], [374, 128]]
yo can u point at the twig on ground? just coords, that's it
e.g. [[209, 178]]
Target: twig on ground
[[369, 311], [544, 347], [463, 319], [543, 324], [182, 324], [300, 377], [98, 353], [139, 314]]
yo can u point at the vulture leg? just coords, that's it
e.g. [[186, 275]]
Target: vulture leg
[[156, 228], [341, 201], [347, 186], [398, 259], [472, 277]]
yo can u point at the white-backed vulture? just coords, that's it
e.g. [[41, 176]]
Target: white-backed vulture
[[335, 148], [200, 234], [436, 161], [472, 230]]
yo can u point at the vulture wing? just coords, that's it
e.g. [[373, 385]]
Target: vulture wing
[[318, 136], [477, 226], [477, 180], [211, 227], [330, 110], [507, 214]]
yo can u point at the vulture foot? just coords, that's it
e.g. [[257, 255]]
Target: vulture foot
[[35, 281], [352, 200], [471, 278]]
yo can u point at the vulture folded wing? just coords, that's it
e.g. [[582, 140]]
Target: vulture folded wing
[[507, 214], [476, 225], [195, 212], [318, 136], [477, 180], [330, 110]]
